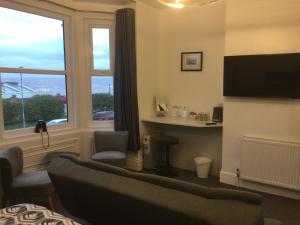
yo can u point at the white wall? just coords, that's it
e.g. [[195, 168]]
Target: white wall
[[147, 43], [195, 29], [147, 37], [277, 118], [263, 39]]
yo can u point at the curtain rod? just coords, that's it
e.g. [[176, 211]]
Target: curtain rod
[[78, 10]]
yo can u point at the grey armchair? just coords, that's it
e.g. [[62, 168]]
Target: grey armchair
[[110, 147], [18, 184]]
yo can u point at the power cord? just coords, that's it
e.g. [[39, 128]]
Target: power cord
[[41, 127], [48, 139], [238, 174]]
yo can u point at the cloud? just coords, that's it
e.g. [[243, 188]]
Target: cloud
[[37, 42], [21, 29]]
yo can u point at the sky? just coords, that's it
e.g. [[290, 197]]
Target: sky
[[36, 42], [101, 48]]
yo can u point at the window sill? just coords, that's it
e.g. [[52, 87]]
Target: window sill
[[28, 133], [104, 125]]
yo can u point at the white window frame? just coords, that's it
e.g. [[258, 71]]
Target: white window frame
[[89, 24], [6, 134]]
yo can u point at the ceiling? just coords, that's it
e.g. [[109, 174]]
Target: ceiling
[[253, 12], [153, 3]]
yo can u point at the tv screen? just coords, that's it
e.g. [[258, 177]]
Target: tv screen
[[269, 76]]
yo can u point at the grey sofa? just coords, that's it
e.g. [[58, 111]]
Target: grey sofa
[[104, 194]]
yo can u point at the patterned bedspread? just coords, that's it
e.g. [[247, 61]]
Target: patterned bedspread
[[28, 214]]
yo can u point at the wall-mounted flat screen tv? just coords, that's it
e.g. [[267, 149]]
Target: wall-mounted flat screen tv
[[265, 76]]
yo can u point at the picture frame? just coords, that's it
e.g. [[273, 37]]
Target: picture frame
[[191, 61]]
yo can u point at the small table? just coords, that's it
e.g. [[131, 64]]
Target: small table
[[52, 155], [188, 125]]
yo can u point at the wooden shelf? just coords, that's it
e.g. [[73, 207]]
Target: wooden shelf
[[179, 122]]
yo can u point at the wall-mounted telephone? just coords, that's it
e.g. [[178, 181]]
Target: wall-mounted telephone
[[41, 127]]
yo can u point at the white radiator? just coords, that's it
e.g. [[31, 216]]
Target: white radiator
[[271, 162]]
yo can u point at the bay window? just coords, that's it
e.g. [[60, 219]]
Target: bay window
[[34, 72]]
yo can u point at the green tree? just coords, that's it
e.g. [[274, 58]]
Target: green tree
[[103, 102], [12, 111], [43, 107]]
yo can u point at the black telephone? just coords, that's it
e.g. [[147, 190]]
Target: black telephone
[[41, 127]]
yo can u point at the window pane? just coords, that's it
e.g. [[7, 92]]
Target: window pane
[[101, 54], [30, 41], [28, 98], [102, 97]]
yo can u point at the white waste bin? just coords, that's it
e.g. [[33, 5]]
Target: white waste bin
[[202, 166]]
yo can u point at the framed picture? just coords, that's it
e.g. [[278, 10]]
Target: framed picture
[[191, 61]]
